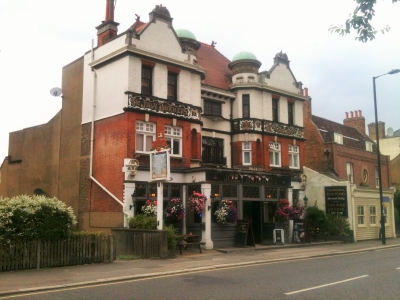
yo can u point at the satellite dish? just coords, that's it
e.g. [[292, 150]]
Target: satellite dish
[[56, 92], [390, 131]]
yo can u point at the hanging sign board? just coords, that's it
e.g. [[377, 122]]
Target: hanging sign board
[[336, 200], [385, 201], [160, 166], [244, 234]]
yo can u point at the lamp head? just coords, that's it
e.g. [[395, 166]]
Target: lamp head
[[394, 71]]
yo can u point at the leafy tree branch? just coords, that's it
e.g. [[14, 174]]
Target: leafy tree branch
[[360, 21]]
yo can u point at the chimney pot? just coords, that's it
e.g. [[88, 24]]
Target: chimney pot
[[347, 115], [305, 91], [351, 114], [359, 113]]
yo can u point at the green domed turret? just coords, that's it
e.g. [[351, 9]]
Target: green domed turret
[[188, 41], [244, 55], [244, 62], [185, 34]]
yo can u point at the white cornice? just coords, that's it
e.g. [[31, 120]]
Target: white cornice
[[133, 50], [268, 89]]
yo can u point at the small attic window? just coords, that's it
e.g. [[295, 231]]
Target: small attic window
[[251, 79], [239, 79], [338, 138], [368, 146]]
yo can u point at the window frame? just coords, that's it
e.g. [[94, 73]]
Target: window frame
[[245, 106], [372, 215], [290, 113], [148, 80], [338, 138], [275, 154], [146, 129], [360, 215], [246, 150], [212, 108], [275, 110], [294, 156], [172, 135], [350, 172], [172, 85], [368, 146], [376, 177]]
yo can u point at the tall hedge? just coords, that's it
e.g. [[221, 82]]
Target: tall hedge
[[30, 217]]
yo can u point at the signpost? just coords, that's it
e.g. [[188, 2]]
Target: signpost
[[160, 172]]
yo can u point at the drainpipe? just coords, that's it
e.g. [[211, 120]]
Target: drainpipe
[[92, 138]]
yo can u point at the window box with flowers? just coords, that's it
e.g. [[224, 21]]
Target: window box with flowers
[[226, 213], [175, 212], [197, 202]]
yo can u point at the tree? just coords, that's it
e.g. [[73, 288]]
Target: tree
[[360, 20]]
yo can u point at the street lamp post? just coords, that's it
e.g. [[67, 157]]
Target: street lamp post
[[378, 152]]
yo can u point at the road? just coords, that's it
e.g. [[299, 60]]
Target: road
[[366, 275]]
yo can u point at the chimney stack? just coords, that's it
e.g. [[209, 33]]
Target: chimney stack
[[356, 120], [108, 29], [372, 130]]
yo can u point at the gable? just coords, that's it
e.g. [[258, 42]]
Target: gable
[[158, 37], [281, 77]]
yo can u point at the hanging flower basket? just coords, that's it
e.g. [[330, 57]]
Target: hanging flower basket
[[150, 208], [226, 213], [286, 212], [174, 212], [159, 144], [197, 202]]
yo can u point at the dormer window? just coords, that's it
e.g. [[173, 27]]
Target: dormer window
[[368, 146], [338, 138]]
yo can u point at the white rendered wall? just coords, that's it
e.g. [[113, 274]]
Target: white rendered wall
[[282, 78]]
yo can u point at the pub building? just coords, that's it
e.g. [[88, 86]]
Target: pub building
[[234, 131]]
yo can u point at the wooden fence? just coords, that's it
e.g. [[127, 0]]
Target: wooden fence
[[20, 255], [140, 242]]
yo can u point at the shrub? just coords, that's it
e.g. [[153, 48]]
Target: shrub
[[337, 225], [141, 221], [171, 237], [315, 217], [37, 216]]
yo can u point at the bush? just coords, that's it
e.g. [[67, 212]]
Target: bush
[[141, 221], [337, 225], [31, 217], [171, 237], [315, 217]]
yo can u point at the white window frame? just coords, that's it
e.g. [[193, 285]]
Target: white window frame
[[368, 146], [173, 136], [148, 131], [360, 215], [246, 153], [350, 172], [372, 215], [274, 154], [338, 138], [376, 177], [294, 157]]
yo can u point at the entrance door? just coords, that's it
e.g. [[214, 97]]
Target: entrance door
[[252, 211], [268, 224]]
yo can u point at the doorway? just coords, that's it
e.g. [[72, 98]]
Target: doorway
[[261, 215]]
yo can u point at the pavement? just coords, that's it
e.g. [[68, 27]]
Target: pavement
[[15, 282]]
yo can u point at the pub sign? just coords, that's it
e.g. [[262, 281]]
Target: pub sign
[[336, 200]]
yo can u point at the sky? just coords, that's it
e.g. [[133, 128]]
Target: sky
[[40, 37]]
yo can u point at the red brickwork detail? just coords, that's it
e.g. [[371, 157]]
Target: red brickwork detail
[[355, 122], [104, 37]]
